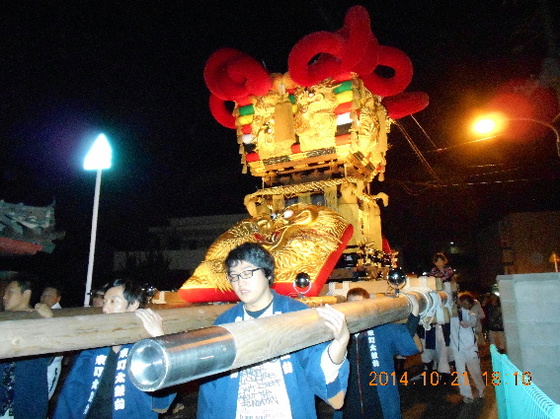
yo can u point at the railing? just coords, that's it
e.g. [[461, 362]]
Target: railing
[[520, 397]]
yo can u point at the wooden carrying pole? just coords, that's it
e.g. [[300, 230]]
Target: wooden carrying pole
[[174, 359], [33, 336], [63, 312]]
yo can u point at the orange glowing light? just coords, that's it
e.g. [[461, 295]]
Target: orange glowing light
[[490, 124]]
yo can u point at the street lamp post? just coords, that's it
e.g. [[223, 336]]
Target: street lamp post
[[554, 259], [496, 122], [98, 158]]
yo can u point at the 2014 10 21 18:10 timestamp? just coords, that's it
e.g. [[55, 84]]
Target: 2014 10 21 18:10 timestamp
[[433, 378]]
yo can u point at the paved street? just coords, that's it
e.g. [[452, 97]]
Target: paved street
[[439, 402], [418, 401]]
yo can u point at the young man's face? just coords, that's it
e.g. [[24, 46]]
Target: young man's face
[[97, 299], [253, 291], [14, 299], [50, 296], [114, 301]]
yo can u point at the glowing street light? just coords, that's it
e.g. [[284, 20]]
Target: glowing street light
[[497, 122], [98, 158], [489, 124]]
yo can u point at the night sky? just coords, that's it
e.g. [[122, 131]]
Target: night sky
[[133, 70]]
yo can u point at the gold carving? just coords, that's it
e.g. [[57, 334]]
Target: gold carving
[[264, 127], [315, 121], [309, 123], [300, 239]]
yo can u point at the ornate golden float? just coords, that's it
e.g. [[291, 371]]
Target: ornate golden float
[[317, 136]]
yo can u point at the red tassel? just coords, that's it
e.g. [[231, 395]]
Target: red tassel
[[328, 44], [232, 74], [405, 104], [220, 112], [400, 63]]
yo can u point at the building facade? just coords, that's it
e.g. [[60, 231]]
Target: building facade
[[520, 243], [183, 242]]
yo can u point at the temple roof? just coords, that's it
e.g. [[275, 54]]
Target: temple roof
[[26, 230]]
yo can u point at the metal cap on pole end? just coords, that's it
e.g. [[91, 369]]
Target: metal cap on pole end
[[148, 365], [168, 360]]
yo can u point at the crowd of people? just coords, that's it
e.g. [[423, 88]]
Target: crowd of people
[[97, 385]]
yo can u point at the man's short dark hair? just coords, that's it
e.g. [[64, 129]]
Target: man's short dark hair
[[25, 280], [357, 292], [98, 292], [55, 287], [253, 253], [132, 292]]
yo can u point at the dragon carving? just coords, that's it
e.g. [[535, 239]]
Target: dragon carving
[[301, 239]]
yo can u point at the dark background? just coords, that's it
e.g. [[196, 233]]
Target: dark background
[[133, 70]]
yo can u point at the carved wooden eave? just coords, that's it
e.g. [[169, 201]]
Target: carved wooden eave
[[26, 230]]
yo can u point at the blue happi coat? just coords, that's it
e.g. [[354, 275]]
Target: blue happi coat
[[373, 388], [81, 384], [303, 378], [24, 387]]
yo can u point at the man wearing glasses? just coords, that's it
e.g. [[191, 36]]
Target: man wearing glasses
[[283, 387]]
